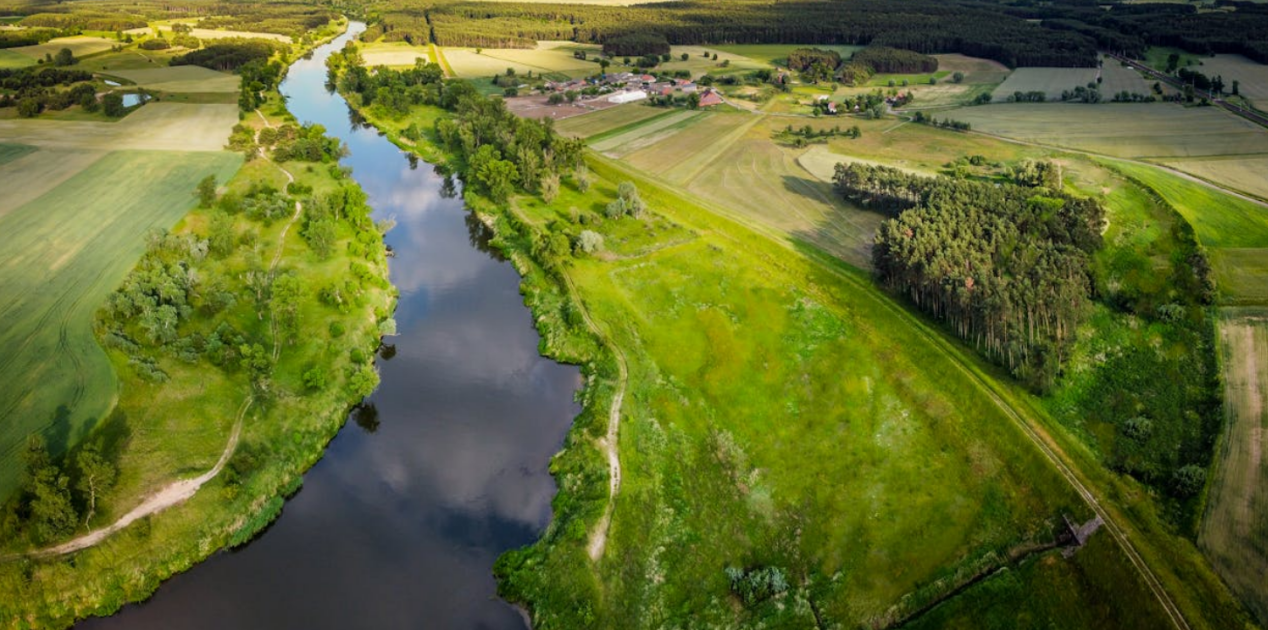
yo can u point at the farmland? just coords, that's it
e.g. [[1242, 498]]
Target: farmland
[[188, 79], [393, 54], [63, 253], [552, 59], [1252, 76], [81, 46], [1243, 173], [1235, 529], [160, 126], [1114, 78], [1121, 129]]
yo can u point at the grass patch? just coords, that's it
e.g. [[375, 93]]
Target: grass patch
[[181, 79], [597, 125], [80, 45], [10, 152]]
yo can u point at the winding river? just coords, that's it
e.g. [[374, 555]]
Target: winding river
[[445, 466]]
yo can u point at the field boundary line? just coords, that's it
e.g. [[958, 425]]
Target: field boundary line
[[945, 348]]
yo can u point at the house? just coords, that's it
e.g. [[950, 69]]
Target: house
[[832, 107], [647, 79], [628, 96], [687, 87], [710, 98]]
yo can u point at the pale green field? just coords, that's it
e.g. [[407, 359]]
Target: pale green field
[[1244, 173], [161, 126], [62, 254], [40, 171], [207, 33], [11, 59], [678, 157], [181, 79], [79, 45], [1117, 78], [549, 58], [1123, 130], [645, 134], [607, 120], [1050, 81], [393, 54], [776, 54], [1253, 76], [1234, 532]]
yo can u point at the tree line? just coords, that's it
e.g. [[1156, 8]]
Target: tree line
[[924, 26], [1006, 267]]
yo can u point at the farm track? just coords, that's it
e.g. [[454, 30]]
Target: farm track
[[1029, 426]]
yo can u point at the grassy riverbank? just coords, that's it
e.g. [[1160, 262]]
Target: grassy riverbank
[[280, 297], [782, 417]]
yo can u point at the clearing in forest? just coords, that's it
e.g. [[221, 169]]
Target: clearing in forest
[[1234, 532], [62, 254]]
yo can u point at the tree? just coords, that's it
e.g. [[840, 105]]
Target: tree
[[29, 107], [589, 242], [497, 175], [1189, 480], [220, 234], [321, 236], [315, 378], [96, 475], [684, 56], [207, 191], [571, 95], [65, 58], [112, 105], [51, 510], [693, 100], [1237, 87], [582, 178], [603, 65], [550, 187], [555, 98], [288, 292], [958, 77]]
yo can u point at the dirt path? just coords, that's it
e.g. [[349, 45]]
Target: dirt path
[[174, 493], [281, 240]]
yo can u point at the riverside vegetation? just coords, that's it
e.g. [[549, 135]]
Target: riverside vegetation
[[247, 331], [721, 516]]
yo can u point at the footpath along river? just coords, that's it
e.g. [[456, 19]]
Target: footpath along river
[[442, 470]]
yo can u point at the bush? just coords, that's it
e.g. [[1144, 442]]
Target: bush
[[589, 242], [157, 43]]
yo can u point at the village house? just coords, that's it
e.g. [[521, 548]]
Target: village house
[[710, 97]]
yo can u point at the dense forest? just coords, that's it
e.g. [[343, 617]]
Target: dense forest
[[1006, 267], [922, 25]]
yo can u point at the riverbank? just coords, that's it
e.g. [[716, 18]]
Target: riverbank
[[283, 303]]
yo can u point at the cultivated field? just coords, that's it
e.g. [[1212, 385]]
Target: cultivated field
[[393, 54], [607, 120], [1234, 531], [1121, 130], [162, 126], [80, 45], [62, 254], [1253, 76], [768, 54], [11, 59], [688, 149], [40, 171], [207, 33], [1053, 81], [552, 59], [623, 141], [1246, 174], [181, 79]]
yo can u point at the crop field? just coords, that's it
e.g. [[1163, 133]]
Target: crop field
[[1051, 81], [1244, 173], [726, 442], [549, 59], [162, 126], [1121, 129], [1234, 231], [393, 54], [607, 120], [625, 141], [678, 157], [207, 33], [62, 254], [39, 171], [1234, 532], [1253, 77], [772, 54], [1115, 78], [181, 79], [80, 45]]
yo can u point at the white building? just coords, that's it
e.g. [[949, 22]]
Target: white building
[[627, 97]]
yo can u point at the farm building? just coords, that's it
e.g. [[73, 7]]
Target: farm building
[[709, 98], [627, 97]]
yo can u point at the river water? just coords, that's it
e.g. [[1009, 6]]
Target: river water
[[446, 467]]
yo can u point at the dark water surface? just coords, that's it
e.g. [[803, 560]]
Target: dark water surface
[[398, 526]]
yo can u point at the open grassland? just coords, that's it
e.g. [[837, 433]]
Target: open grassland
[[131, 59], [607, 120], [623, 140], [161, 126], [61, 256], [11, 59], [181, 79], [1247, 174], [1234, 230], [1234, 532], [1121, 129], [80, 45], [1253, 76]]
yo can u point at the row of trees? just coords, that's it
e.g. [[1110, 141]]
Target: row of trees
[[925, 26], [55, 498], [1006, 267]]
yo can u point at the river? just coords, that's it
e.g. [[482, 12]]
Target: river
[[444, 468]]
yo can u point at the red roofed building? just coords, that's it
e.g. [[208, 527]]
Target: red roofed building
[[710, 98]]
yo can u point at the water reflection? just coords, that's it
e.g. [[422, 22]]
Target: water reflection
[[444, 467]]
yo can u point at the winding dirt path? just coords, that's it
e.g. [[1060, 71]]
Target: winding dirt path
[[174, 493]]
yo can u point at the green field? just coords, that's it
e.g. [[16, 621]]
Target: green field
[[11, 152], [604, 121], [181, 79], [11, 59], [393, 54], [63, 253], [1053, 81], [551, 59], [777, 54], [1121, 130], [624, 140], [161, 126], [1234, 531]]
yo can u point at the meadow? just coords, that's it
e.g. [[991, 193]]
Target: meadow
[[393, 54], [11, 59], [720, 469], [80, 45], [185, 79], [1247, 174], [553, 60], [1121, 129], [605, 121], [64, 252], [156, 126]]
